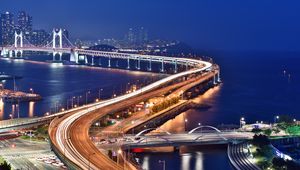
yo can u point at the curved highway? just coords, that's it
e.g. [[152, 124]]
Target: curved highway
[[78, 148]]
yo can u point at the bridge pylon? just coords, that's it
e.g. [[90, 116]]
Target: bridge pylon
[[17, 44], [57, 33]]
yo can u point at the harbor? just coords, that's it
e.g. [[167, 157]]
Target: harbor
[[15, 96], [18, 96]]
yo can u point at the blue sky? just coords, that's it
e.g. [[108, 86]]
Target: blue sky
[[203, 24]]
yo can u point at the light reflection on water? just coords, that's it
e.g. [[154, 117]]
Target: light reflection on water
[[1, 108], [199, 160], [31, 109], [57, 84], [178, 124], [185, 159]]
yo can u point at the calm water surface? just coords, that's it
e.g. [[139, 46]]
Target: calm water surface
[[254, 86]]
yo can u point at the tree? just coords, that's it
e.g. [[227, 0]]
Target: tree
[[5, 166], [267, 132], [278, 162], [260, 140]]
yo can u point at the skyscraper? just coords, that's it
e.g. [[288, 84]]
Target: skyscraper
[[7, 28], [142, 35], [137, 36], [24, 22], [130, 36]]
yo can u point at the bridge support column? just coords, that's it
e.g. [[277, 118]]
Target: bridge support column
[[139, 63], [109, 64], [128, 63], [175, 65], [150, 64], [93, 60], [219, 78], [162, 65], [86, 59], [74, 57], [215, 79], [57, 33], [186, 65]]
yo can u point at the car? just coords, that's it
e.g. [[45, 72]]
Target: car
[[39, 159], [56, 164], [48, 161]]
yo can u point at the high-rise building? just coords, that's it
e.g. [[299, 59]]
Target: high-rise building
[[142, 35], [7, 28], [24, 22], [136, 36], [131, 36], [40, 37]]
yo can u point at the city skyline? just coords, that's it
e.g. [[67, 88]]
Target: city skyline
[[256, 25]]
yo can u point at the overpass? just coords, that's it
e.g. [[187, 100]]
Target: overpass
[[69, 134]]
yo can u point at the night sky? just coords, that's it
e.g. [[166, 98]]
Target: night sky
[[203, 24]]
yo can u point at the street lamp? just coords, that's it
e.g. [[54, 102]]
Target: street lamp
[[185, 121], [276, 119], [119, 153], [31, 90], [242, 122], [164, 163]]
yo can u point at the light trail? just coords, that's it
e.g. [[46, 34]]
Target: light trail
[[62, 137]]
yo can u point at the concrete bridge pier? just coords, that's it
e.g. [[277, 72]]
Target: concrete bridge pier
[[128, 63], [162, 65], [109, 62], [175, 66], [219, 78], [85, 60], [150, 64], [93, 60], [214, 80], [186, 65], [74, 57], [139, 63]]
